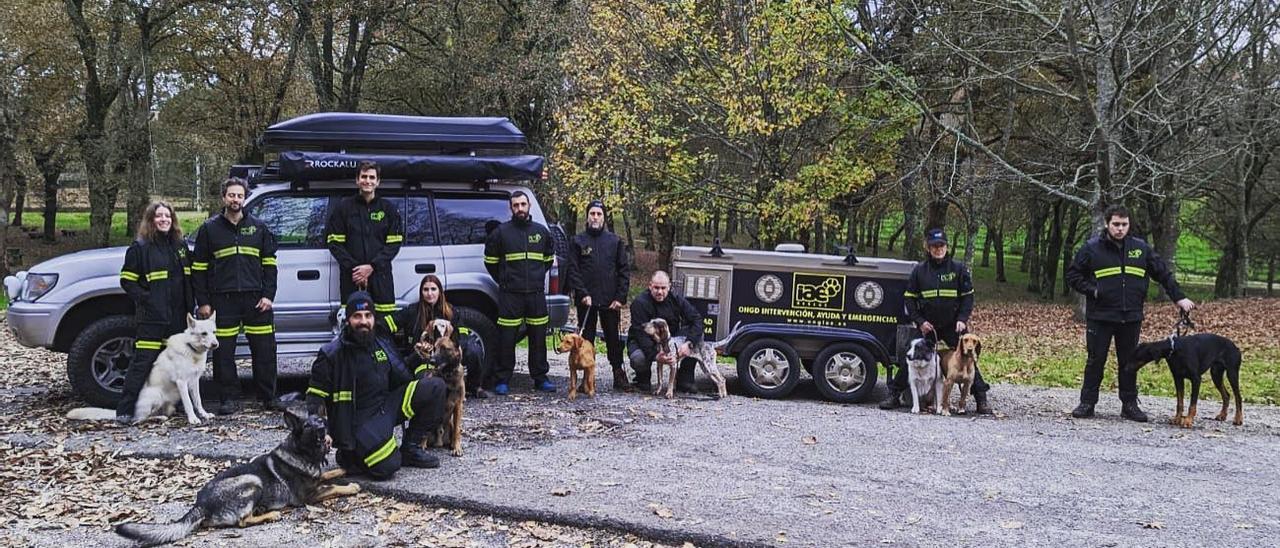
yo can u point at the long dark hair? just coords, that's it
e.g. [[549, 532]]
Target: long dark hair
[[147, 226], [428, 313]]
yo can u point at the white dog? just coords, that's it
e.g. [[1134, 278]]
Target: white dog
[[175, 376], [923, 374]]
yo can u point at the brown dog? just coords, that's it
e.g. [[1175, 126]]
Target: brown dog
[[958, 366], [582, 358], [437, 346]]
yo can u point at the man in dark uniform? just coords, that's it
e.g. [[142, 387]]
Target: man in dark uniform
[[939, 301], [1111, 271], [366, 389], [234, 273], [599, 277], [518, 254], [364, 234], [682, 319]]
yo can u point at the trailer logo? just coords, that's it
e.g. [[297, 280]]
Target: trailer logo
[[820, 291], [769, 288], [869, 295]]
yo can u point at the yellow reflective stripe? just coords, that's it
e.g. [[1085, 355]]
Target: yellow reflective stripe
[[259, 329], [531, 256], [237, 250], [391, 324], [157, 275], [910, 294], [1135, 271], [423, 367], [969, 292], [268, 261], [510, 322], [224, 252], [464, 330], [490, 260], [340, 238], [228, 331], [540, 320], [248, 250], [143, 344], [199, 266], [343, 395], [936, 293], [394, 238], [317, 391], [1104, 272], [186, 270], [382, 453], [126, 275], [408, 398], [384, 307]]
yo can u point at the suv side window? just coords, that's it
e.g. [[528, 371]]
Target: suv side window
[[461, 218], [297, 221], [420, 229]]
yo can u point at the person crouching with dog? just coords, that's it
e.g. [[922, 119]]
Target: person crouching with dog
[[364, 387], [682, 318], [157, 277], [939, 301], [408, 323]]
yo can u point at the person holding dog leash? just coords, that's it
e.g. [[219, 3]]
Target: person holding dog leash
[[365, 389], [682, 318], [408, 323], [234, 273], [939, 301], [157, 277], [599, 278], [1111, 271]]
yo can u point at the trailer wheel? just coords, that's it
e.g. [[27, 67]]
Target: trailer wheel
[[845, 373], [768, 368]]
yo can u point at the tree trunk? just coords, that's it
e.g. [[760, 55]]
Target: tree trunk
[[1049, 270], [666, 243], [936, 215], [730, 223], [986, 248], [910, 220], [1271, 275], [1031, 253], [1233, 260], [19, 199], [893, 238], [999, 245]]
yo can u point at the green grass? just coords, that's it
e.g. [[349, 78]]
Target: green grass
[[189, 221]]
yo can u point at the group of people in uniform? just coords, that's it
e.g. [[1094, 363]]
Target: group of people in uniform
[[369, 379]]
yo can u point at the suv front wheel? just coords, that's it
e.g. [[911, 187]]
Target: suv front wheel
[[486, 329], [99, 358]]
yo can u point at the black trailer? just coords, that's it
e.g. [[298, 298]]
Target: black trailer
[[781, 313]]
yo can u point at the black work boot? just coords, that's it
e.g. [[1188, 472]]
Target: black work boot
[[411, 451], [641, 384], [984, 408], [894, 400], [620, 383], [1131, 411], [1082, 411]]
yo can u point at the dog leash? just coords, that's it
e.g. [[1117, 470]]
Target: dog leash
[[1184, 325]]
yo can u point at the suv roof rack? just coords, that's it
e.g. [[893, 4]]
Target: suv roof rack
[[340, 131]]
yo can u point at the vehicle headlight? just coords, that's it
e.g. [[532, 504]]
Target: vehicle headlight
[[36, 285]]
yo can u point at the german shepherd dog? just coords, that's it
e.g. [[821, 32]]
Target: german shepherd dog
[[174, 376], [1188, 358], [438, 347], [959, 366], [247, 494], [704, 353]]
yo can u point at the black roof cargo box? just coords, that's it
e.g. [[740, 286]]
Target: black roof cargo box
[[334, 131]]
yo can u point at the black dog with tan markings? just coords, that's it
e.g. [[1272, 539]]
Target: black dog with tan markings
[[247, 494], [1188, 358]]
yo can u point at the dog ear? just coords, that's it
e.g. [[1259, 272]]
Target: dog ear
[[977, 347], [191, 321], [292, 420]]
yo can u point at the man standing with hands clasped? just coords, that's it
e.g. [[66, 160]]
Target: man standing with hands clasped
[[599, 276], [1111, 271], [364, 234]]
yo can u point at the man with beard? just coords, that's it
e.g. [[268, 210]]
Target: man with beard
[[364, 234], [518, 254], [366, 389], [233, 273], [599, 277]]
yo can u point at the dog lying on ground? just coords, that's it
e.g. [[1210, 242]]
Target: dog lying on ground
[[438, 347], [1188, 358], [958, 367], [292, 474], [582, 358], [704, 353], [923, 375], [174, 376]]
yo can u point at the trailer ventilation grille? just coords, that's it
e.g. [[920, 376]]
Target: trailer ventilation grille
[[702, 287]]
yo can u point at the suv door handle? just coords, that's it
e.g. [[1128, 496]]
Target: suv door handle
[[308, 274], [424, 268]]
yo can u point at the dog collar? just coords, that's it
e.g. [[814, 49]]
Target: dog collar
[[194, 349]]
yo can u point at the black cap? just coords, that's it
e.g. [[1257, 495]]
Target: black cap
[[599, 204], [935, 236], [358, 301]]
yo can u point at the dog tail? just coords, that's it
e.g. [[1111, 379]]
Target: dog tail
[[152, 534], [91, 414], [720, 344]]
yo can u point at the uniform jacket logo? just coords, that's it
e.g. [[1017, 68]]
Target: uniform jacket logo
[[377, 215], [380, 355], [947, 277], [535, 238], [249, 230], [586, 251], [1135, 253]]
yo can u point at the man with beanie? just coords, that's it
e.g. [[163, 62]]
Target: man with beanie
[[1111, 271], [939, 300], [599, 278], [366, 389], [518, 254]]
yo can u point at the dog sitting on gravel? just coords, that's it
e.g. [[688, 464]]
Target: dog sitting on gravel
[[923, 375], [959, 366], [174, 376], [440, 350], [704, 353]]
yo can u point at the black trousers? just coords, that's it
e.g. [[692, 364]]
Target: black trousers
[[147, 345], [381, 287], [901, 383], [1097, 340], [514, 310], [472, 358], [421, 403], [608, 320], [236, 313]]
